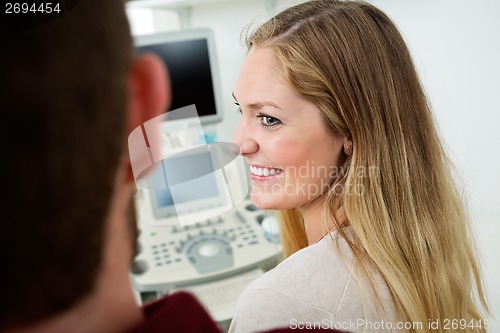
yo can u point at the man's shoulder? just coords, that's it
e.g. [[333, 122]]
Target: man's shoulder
[[178, 312]]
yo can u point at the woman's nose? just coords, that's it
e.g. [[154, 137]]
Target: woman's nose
[[245, 140]]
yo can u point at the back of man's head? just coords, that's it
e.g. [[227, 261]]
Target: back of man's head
[[63, 99]]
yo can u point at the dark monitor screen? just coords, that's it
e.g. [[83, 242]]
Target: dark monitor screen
[[191, 61]]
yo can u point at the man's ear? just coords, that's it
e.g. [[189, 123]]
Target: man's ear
[[149, 90], [149, 93]]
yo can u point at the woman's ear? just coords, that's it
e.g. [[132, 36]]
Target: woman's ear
[[149, 94], [347, 146]]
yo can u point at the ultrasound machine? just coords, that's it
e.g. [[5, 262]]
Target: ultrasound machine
[[198, 231]]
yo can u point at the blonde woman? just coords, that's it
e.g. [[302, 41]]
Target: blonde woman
[[341, 140]]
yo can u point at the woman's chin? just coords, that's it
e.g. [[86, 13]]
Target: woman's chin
[[268, 202]]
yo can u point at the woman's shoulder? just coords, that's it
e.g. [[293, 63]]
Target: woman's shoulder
[[332, 254], [314, 284], [316, 267], [319, 282]]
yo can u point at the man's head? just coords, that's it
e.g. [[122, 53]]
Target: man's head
[[70, 93]]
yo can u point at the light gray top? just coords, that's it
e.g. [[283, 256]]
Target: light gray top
[[316, 287]]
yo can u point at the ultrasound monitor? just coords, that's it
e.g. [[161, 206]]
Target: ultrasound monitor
[[191, 59], [186, 182]]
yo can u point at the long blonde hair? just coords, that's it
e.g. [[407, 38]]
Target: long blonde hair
[[406, 211]]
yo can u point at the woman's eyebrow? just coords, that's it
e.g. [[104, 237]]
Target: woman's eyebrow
[[257, 105]]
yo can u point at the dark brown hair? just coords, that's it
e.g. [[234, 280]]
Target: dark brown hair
[[63, 99]]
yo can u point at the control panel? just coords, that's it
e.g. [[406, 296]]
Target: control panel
[[171, 257]]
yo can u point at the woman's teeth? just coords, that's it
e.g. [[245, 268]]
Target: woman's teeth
[[265, 171]]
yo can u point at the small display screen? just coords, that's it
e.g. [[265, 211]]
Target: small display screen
[[191, 175]]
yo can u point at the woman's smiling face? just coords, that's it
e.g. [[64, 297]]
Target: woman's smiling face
[[291, 153]]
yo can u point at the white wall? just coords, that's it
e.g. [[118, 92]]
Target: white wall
[[456, 46]]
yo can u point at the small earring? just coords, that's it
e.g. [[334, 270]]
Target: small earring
[[348, 150]]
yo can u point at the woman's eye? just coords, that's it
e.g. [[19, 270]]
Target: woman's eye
[[268, 121]]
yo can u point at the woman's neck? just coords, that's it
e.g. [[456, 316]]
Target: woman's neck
[[316, 223]]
